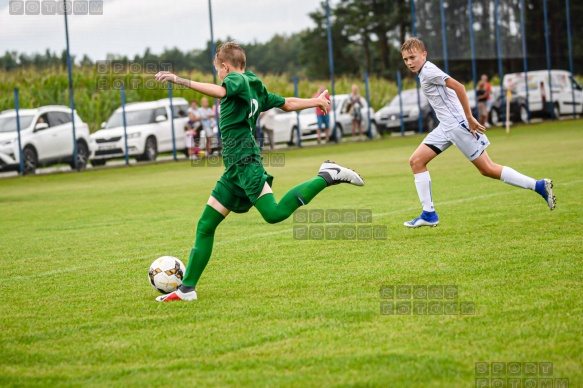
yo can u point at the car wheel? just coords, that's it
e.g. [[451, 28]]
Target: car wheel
[[98, 162], [556, 111], [150, 150], [29, 160], [339, 133], [495, 117], [293, 138], [373, 130], [523, 114], [428, 123], [82, 156]]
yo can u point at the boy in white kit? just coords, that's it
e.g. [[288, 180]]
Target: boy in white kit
[[458, 127]]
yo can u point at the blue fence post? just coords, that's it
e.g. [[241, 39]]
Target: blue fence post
[[400, 104], [525, 59], [331, 62], [444, 36], [570, 55], [500, 69], [125, 132], [172, 121], [367, 89], [219, 140], [471, 11], [298, 129], [16, 106], [71, 101], [548, 48], [417, 85]]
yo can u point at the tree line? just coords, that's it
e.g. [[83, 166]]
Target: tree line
[[366, 36]]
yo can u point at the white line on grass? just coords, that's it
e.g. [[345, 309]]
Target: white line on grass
[[70, 269]]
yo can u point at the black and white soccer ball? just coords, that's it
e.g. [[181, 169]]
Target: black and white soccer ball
[[166, 274]]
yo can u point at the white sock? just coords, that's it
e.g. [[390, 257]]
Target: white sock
[[423, 185], [514, 178]]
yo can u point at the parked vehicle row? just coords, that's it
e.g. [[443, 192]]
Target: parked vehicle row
[[153, 127], [285, 124], [149, 131]]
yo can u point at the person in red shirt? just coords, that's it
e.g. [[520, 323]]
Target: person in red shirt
[[323, 117], [484, 79]]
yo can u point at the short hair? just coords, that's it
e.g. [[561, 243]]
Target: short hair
[[413, 43], [231, 53]]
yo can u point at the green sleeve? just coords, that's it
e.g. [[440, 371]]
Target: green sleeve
[[272, 101], [234, 83]]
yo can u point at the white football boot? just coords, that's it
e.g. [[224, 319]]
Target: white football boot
[[334, 174], [178, 295]]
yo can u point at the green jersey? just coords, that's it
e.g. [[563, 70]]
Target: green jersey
[[246, 98]]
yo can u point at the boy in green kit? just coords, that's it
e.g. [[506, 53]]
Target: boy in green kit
[[245, 183]]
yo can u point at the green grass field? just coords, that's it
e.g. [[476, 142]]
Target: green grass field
[[78, 309]]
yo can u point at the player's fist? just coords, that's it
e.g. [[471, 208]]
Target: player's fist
[[165, 76], [323, 102]]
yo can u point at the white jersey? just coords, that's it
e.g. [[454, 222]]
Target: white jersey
[[443, 100]]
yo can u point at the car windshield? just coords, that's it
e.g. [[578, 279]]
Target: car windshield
[[8, 124], [409, 97], [136, 117]]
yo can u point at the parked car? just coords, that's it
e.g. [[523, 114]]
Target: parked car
[[46, 138], [149, 131], [564, 87], [497, 114], [388, 118], [285, 123]]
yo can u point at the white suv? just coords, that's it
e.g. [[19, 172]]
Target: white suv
[[149, 131], [46, 138]]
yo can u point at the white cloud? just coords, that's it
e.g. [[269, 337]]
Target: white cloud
[[127, 27]]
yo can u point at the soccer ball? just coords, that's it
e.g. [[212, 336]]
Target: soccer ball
[[166, 274]]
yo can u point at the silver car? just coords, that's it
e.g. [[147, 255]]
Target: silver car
[[388, 118]]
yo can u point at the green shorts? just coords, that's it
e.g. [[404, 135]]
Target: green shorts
[[240, 185]]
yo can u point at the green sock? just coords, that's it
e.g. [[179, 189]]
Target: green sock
[[203, 246], [302, 194]]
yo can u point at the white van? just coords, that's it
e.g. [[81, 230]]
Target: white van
[[562, 88], [149, 131]]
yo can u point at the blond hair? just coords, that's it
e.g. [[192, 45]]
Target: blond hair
[[412, 44], [231, 53]]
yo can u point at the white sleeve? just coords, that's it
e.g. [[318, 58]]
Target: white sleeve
[[436, 76]]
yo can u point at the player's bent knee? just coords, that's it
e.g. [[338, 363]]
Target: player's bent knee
[[488, 171], [416, 163], [205, 228], [272, 218]]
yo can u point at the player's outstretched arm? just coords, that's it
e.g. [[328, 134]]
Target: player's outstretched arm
[[294, 103], [210, 90], [460, 91]]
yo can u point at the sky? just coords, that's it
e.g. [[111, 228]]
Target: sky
[[128, 27]]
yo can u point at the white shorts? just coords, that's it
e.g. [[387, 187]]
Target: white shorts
[[461, 137], [208, 132]]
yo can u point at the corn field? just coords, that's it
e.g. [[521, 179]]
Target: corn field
[[96, 96]]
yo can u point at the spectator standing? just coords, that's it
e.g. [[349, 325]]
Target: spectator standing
[[266, 120], [323, 117], [355, 108], [207, 119], [482, 98], [488, 88]]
